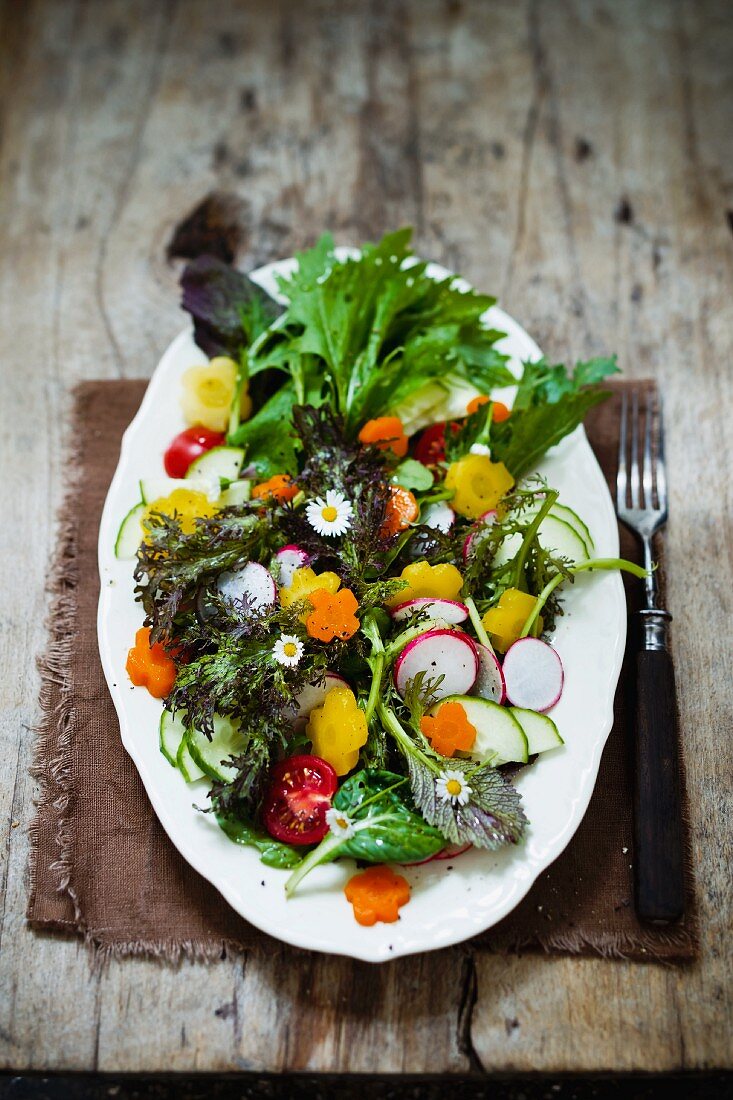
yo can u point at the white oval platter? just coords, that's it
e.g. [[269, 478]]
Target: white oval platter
[[451, 900]]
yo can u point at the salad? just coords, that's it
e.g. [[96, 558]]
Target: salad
[[348, 601]]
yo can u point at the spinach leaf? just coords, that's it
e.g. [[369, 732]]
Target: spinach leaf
[[380, 825], [273, 853]]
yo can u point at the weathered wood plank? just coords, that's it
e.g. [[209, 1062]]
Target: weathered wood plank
[[573, 157]]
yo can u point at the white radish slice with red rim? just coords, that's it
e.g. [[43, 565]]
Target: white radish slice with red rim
[[447, 653], [439, 516], [478, 532], [450, 852], [312, 696], [448, 611], [533, 674], [490, 680], [253, 584], [288, 560]]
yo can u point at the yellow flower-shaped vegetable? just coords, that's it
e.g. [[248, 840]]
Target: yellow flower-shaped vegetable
[[208, 392], [505, 621], [303, 583], [479, 484], [338, 729], [437, 581], [186, 504]]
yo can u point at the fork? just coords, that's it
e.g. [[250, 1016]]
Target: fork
[[641, 503]]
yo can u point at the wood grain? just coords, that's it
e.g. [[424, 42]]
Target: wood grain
[[573, 157]]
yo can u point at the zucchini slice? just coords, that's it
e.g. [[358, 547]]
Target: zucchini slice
[[541, 732]]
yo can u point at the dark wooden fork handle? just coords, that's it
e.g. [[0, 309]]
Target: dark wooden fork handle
[[658, 841]]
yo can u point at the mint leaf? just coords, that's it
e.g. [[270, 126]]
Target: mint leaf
[[273, 853]]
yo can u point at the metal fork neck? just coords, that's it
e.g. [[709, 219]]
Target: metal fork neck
[[654, 623], [650, 581]]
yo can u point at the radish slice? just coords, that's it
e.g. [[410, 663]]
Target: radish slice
[[254, 584], [533, 674], [490, 680], [288, 560], [448, 611], [312, 696], [478, 532], [447, 653], [450, 852], [439, 516]]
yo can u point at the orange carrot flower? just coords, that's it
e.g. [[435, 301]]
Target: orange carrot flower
[[332, 615], [401, 511], [386, 433], [377, 894], [150, 666], [280, 487], [449, 730]]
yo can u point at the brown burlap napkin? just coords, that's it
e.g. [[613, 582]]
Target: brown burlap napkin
[[102, 865]]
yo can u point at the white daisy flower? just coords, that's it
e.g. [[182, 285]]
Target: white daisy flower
[[339, 823], [331, 516], [451, 786], [288, 650], [479, 449]]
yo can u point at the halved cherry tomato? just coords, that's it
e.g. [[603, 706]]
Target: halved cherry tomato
[[187, 446], [430, 447], [298, 798]]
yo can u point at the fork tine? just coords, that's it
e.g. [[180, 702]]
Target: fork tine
[[621, 481], [634, 478], [661, 472], [647, 477]]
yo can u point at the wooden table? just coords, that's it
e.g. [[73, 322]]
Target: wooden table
[[575, 158]]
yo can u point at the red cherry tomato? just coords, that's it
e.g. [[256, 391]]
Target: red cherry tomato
[[298, 798], [187, 446], [430, 447]]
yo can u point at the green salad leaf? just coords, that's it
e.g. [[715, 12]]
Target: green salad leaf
[[228, 310], [411, 474], [550, 403], [273, 853], [377, 823]]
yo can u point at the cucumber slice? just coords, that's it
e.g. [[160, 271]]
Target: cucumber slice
[[499, 736], [560, 538], [171, 732], [239, 492], [153, 488], [541, 732], [186, 764], [130, 534], [221, 462], [579, 526], [211, 755]]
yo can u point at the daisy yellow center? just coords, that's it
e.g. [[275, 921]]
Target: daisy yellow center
[[290, 649], [329, 513], [342, 823], [454, 786]]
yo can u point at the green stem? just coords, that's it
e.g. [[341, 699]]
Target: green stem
[[321, 854], [478, 626], [392, 724], [235, 409], [376, 687], [593, 563], [530, 534]]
